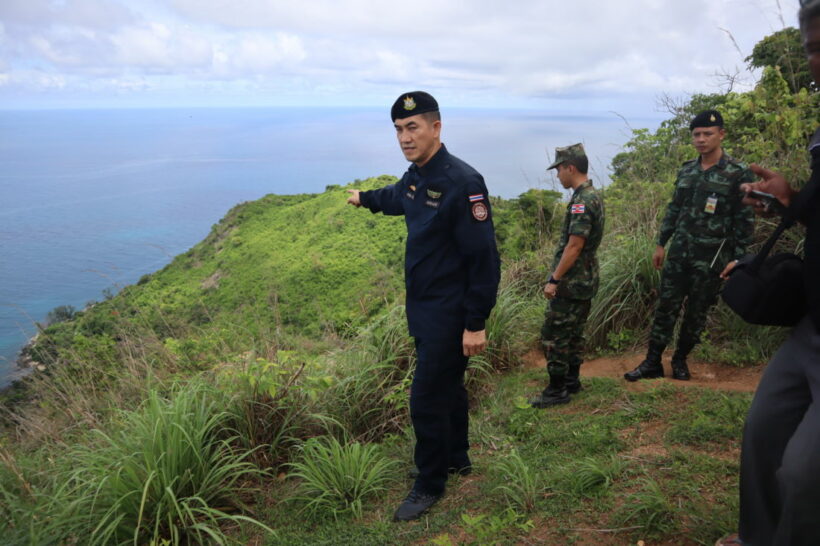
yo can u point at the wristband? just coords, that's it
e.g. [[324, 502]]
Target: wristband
[[553, 280]]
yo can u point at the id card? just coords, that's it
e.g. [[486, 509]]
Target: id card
[[711, 205]]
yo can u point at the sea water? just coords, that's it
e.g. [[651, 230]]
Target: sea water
[[90, 200]]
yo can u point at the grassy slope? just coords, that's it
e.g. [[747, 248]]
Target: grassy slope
[[303, 265], [310, 265], [308, 256], [656, 463]]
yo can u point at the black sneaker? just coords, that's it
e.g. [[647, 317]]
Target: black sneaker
[[461, 471], [416, 504]]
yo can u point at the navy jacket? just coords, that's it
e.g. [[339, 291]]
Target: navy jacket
[[451, 264]]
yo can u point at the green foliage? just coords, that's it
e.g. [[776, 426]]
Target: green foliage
[[273, 402], [627, 291], [593, 475], [719, 419], [495, 529], [336, 478], [368, 397], [60, 313], [784, 49], [650, 509], [165, 473], [513, 323], [521, 486], [526, 223]]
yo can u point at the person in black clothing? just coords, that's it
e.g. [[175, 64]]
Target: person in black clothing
[[452, 270], [780, 457]]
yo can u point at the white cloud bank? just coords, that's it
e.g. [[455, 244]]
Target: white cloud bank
[[520, 52]]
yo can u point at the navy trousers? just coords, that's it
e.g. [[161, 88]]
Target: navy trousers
[[438, 409], [780, 461]]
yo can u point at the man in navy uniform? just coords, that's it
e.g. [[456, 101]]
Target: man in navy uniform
[[452, 270]]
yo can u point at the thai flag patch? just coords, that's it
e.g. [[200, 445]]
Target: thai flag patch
[[476, 197], [577, 209]]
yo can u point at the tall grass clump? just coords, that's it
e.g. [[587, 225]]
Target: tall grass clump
[[627, 290], [368, 394], [514, 322], [591, 476], [167, 474], [521, 485], [336, 479], [273, 403], [649, 509]]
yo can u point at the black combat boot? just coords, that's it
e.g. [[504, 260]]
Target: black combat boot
[[651, 367], [680, 370], [555, 394], [573, 379]]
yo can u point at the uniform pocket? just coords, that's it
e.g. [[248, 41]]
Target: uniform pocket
[[712, 208]]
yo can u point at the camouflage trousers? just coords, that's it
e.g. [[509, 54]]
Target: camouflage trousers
[[562, 335], [693, 281]]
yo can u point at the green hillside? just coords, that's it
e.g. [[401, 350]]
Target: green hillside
[[305, 265], [254, 391]]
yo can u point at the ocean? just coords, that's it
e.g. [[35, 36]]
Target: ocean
[[91, 200]]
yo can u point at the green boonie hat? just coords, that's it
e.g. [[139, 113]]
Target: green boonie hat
[[565, 153]]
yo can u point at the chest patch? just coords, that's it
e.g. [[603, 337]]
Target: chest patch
[[480, 211], [431, 203], [577, 209], [711, 205], [433, 194]]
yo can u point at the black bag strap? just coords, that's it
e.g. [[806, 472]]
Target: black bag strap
[[795, 207]]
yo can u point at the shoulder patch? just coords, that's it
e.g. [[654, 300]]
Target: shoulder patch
[[476, 197], [578, 209], [480, 211]]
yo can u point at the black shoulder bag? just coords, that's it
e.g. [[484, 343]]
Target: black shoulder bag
[[768, 290], [771, 290]]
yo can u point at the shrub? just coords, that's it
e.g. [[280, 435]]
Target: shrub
[[336, 478], [168, 473]]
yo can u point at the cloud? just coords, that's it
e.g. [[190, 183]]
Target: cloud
[[348, 50], [92, 14]]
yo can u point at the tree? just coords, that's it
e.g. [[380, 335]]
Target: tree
[[784, 49], [61, 313]]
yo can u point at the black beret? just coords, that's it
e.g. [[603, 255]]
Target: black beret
[[412, 104], [708, 118]]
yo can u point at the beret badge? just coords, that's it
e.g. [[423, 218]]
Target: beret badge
[[409, 103]]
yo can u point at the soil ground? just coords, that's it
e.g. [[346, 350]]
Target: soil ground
[[704, 374]]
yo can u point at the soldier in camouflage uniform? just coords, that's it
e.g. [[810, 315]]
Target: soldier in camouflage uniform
[[574, 278], [709, 230]]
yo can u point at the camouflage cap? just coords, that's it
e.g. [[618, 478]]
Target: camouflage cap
[[412, 104], [565, 153]]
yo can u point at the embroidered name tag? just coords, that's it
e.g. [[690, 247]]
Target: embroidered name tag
[[431, 203]]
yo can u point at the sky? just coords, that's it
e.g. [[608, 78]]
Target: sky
[[572, 56]]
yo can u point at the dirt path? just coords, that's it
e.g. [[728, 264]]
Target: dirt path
[[714, 376]]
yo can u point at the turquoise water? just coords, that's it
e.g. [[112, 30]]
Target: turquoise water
[[90, 200]]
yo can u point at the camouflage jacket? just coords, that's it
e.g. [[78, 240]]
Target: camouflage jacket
[[584, 218], [705, 220]]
